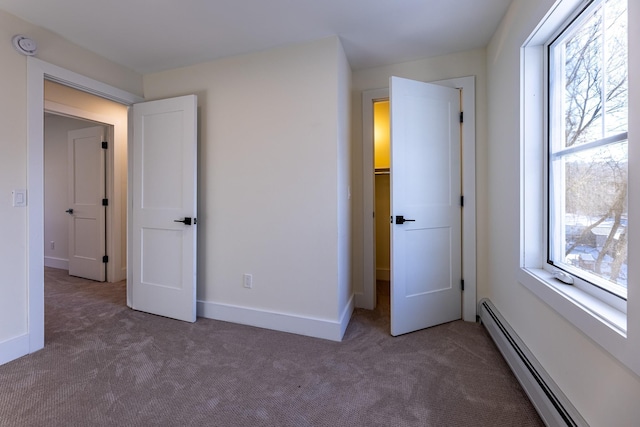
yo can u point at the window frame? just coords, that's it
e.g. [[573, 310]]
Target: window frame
[[601, 288], [599, 320]]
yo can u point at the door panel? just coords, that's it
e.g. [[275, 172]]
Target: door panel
[[162, 161], [435, 245], [162, 246], [164, 193], [425, 190], [86, 189]]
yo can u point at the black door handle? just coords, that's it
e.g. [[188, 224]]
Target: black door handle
[[401, 219], [186, 220], [69, 211]]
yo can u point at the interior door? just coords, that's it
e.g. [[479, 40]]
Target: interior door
[[163, 246], [86, 190], [425, 205]]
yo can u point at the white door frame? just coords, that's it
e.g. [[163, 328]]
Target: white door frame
[[368, 298], [37, 72]]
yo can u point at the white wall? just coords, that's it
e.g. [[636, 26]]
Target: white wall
[[13, 107], [603, 391], [56, 130], [470, 63], [13, 161], [272, 193]]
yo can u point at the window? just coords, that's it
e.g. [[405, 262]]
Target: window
[[587, 148], [574, 173]]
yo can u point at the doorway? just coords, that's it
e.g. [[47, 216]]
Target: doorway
[[382, 203], [367, 297], [73, 104], [382, 191], [38, 74], [74, 213]]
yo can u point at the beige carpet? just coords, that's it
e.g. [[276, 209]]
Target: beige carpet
[[104, 364]]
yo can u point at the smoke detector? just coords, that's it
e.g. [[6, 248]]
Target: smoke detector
[[24, 45]]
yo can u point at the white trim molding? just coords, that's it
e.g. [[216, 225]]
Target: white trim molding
[[284, 322], [367, 299], [59, 263]]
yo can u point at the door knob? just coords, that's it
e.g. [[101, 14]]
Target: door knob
[[186, 220], [401, 219], [69, 211]]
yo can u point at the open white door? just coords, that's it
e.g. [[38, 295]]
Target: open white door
[[163, 210], [425, 205], [86, 191]]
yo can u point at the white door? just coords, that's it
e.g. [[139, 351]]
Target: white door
[[425, 191], [163, 211], [86, 190]]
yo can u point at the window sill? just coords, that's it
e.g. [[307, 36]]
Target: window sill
[[604, 324]]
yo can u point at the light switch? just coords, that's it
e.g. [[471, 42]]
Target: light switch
[[19, 198]]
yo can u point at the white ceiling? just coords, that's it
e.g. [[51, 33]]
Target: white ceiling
[[155, 35]]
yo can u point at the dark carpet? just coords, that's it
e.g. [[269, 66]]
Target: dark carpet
[[104, 364]]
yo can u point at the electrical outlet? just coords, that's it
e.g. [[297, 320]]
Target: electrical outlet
[[247, 281], [52, 245]]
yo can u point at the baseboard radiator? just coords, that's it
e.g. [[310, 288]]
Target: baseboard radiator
[[552, 405]]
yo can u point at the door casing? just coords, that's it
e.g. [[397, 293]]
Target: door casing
[[37, 72], [367, 298]]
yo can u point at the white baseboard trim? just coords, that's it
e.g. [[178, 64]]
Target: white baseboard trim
[[346, 315], [120, 275], [361, 301], [317, 328], [14, 348], [53, 262], [552, 405], [383, 274]]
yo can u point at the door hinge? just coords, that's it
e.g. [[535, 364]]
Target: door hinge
[[462, 284], [105, 145], [462, 201], [461, 117], [105, 202], [105, 258]]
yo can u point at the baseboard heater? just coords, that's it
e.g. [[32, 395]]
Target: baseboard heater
[[552, 405]]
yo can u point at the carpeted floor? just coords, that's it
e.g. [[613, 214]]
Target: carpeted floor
[[104, 364]]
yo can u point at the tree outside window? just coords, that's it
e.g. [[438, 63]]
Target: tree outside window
[[588, 160]]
